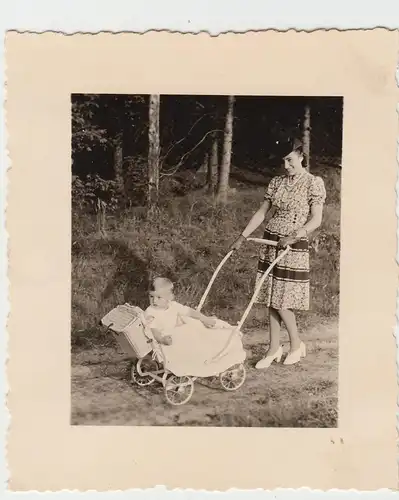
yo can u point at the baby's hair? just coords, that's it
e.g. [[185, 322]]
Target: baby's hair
[[160, 282]]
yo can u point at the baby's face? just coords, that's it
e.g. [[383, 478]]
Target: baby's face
[[159, 301]]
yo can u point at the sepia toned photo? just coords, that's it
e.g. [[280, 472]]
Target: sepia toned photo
[[205, 260], [193, 223]]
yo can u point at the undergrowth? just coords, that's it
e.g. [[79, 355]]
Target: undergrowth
[[185, 241]]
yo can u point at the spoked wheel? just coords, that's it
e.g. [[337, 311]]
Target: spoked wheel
[[178, 390], [233, 378], [146, 365]]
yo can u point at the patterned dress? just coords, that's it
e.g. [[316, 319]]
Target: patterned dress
[[287, 286]]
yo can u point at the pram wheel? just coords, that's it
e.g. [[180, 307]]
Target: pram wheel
[[145, 365], [233, 378], [178, 390]]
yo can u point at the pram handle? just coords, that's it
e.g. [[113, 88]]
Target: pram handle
[[222, 263], [259, 286], [249, 307], [264, 242]]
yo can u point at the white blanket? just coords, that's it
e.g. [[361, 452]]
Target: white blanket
[[200, 351]]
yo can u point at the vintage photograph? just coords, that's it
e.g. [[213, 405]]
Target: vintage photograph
[[187, 263], [205, 260]]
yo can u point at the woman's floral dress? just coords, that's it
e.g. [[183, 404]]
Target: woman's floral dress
[[287, 286]]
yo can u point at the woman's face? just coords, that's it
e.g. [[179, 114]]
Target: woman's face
[[293, 163]]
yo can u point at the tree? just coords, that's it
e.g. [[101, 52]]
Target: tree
[[306, 137], [153, 153], [122, 114], [118, 163], [213, 165], [224, 173]]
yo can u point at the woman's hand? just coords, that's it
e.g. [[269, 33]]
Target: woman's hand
[[237, 244], [285, 242]]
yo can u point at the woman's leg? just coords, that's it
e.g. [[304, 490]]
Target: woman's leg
[[275, 327], [275, 351], [288, 317]]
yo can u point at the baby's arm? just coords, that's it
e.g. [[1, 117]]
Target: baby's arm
[[157, 333], [160, 338], [206, 320]]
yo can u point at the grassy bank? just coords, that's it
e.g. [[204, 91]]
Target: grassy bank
[[185, 242]]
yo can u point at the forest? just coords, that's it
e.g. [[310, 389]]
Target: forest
[[162, 185], [129, 150]]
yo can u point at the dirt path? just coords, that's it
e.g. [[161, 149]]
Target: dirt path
[[303, 395]]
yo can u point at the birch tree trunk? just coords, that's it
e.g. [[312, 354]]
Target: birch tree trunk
[[153, 153], [213, 165], [118, 163], [306, 137], [224, 173]]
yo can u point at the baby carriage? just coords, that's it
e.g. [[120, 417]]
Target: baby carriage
[[129, 328]]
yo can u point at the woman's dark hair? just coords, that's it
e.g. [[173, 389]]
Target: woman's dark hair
[[299, 150], [289, 145]]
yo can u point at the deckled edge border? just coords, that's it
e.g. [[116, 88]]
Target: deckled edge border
[[5, 306]]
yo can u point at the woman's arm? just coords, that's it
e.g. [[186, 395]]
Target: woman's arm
[[316, 198], [257, 219], [314, 222]]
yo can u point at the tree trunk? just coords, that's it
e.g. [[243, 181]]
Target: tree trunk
[[306, 137], [223, 184], [118, 163], [213, 165], [153, 153], [100, 208]]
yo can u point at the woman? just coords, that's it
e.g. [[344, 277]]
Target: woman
[[295, 204]]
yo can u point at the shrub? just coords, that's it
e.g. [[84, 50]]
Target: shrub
[[86, 192]]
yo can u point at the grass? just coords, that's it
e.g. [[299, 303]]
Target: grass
[[185, 242]]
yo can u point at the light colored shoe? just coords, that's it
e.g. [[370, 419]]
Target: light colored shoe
[[295, 357], [268, 360]]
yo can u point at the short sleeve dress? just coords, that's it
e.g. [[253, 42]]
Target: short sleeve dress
[[287, 286]]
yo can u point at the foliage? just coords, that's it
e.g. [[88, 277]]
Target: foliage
[[86, 133], [98, 118], [86, 192], [110, 137], [135, 179]]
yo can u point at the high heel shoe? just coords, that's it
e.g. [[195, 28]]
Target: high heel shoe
[[295, 356], [268, 360]]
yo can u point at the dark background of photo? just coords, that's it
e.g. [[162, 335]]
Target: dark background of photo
[[258, 123]]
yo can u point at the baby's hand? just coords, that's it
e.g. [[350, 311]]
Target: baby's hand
[[209, 322], [167, 340]]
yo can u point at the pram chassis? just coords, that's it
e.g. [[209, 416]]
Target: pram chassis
[[179, 389]]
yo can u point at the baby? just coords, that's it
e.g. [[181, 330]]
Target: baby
[[189, 342], [164, 313]]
